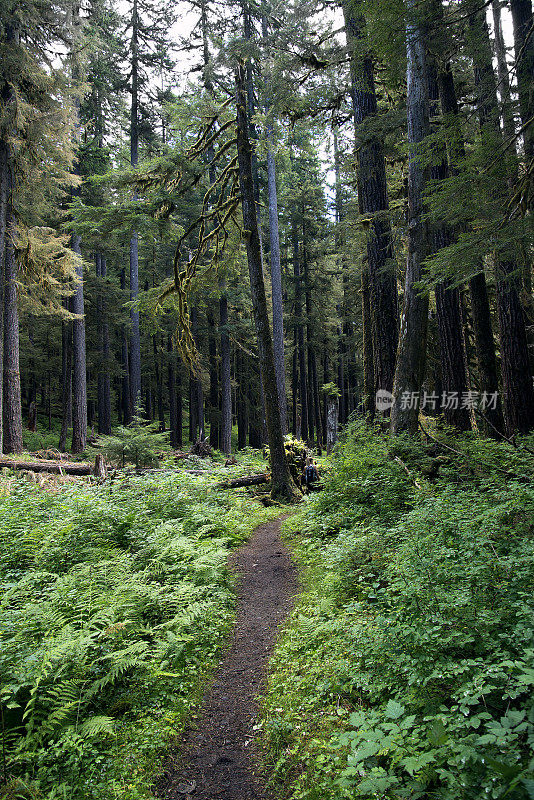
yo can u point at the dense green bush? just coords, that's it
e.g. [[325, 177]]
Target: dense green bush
[[115, 602], [408, 666]]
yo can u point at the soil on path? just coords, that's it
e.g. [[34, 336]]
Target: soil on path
[[216, 758]]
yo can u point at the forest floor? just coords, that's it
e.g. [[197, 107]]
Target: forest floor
[[216, 759]]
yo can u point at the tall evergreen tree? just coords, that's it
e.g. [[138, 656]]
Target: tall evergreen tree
[[411, 357]]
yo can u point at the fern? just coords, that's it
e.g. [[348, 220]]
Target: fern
[[115, 604], [97, 726]]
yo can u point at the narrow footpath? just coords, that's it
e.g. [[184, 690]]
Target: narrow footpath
[[216, 758]]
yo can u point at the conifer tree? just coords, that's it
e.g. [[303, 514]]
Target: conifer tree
[[411, 356]]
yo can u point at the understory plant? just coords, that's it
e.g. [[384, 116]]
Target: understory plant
[[116, 600], [407, 669]]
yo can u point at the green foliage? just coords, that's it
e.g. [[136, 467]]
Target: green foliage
[[138, 443], [407, 667], [115, 603], [296, 452]]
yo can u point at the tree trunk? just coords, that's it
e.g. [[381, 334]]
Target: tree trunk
[[175, 397], [303, 385], [224, 429], [524, 57], [478, 291], [524, 53], [197, 390], [316, 402], [449, 318], [504, 90], [518, 391], [369, 388], [12, 397], [214, 382], [241, 404], [69, 468], [276, 267], [312, 378], [79, 369], [66, 384], [103, 379], [411, 356], [193, 416], [125, 359], [282, 482], [373, 204], [331, 422], [135, 335], [5, 192], [248, 480], [295, 419], [226, 382], [159, 383]]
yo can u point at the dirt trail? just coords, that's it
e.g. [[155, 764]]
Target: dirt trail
[[216, 760]]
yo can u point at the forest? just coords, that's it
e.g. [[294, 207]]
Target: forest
[[267, 399]]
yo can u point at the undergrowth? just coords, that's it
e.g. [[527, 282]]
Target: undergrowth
[[407, 668], [116, 601]]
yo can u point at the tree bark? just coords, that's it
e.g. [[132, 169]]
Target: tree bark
[[12, 398], [214, 413], [175, 397], [79, 368], [332, 414], [524, 59], [518, 392], [453, 359], [197, 389], [276, 267], [369, 388], [478, 291], [411, 356], [504, 90], [282, 482], [68, 467], [126, 403], [103, 379], [226, 382], [241, 403], [66, 383], [373, 204], [159, 383], [135, 335], [248, 480], [303, 384]]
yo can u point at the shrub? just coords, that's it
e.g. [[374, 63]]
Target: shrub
[[407, 669]]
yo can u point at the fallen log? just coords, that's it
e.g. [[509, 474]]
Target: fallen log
[[248, 480], [61, 467]]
